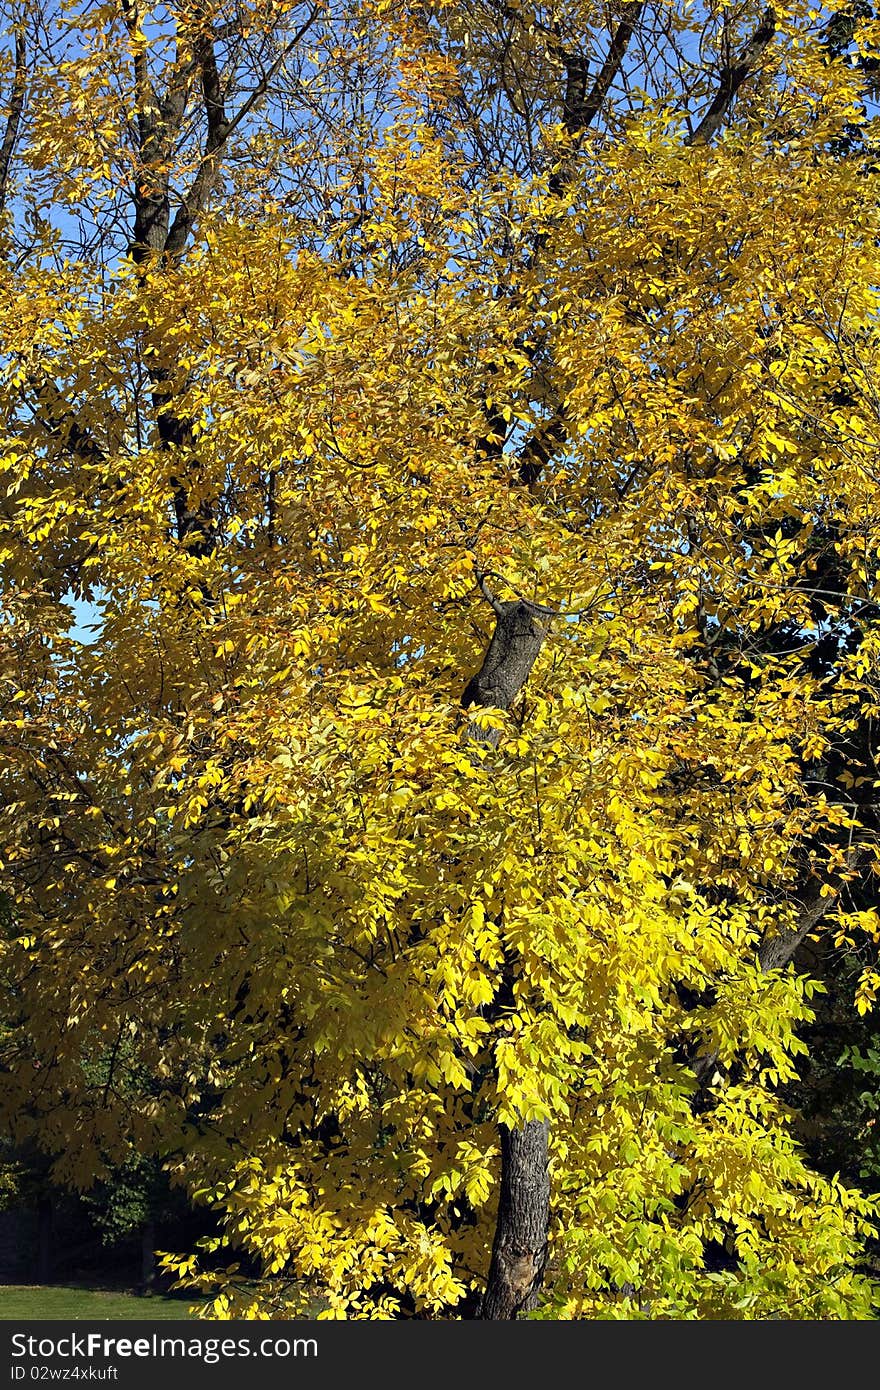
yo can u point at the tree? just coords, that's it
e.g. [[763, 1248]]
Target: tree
[[462, 422]]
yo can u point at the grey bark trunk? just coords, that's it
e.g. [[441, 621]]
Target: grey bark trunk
[[518, 637], [519, 1248], [519, 1251]]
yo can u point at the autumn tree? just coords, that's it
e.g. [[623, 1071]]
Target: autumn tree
[[460, 421]]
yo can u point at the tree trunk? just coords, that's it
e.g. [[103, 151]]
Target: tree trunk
[[518, 637], [519, 1251]]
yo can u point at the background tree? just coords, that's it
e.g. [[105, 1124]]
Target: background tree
[[462, 422]]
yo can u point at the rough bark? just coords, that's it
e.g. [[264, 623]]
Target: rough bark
[[519, 1251], [518, 637]]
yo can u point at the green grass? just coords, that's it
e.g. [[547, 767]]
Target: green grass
[[72, 1303]]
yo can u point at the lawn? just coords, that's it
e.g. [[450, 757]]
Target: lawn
[[74, 1303]]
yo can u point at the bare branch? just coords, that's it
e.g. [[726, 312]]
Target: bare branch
[[219, 131], [733, 75], [581, 107], [487, 593], [14, 113]]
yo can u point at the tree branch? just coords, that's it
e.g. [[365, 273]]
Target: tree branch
[[158, 124], [776, 951], [518, 638], [733, 75], [60, 419], [219, 130], [579, 107], [538, 450], [14, 113]]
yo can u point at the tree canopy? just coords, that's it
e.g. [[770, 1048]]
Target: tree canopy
[[460, 423]]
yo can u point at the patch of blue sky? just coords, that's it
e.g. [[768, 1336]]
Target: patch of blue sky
[[87, 621]]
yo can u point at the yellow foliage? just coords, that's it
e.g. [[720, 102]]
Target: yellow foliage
[[246, 826]]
